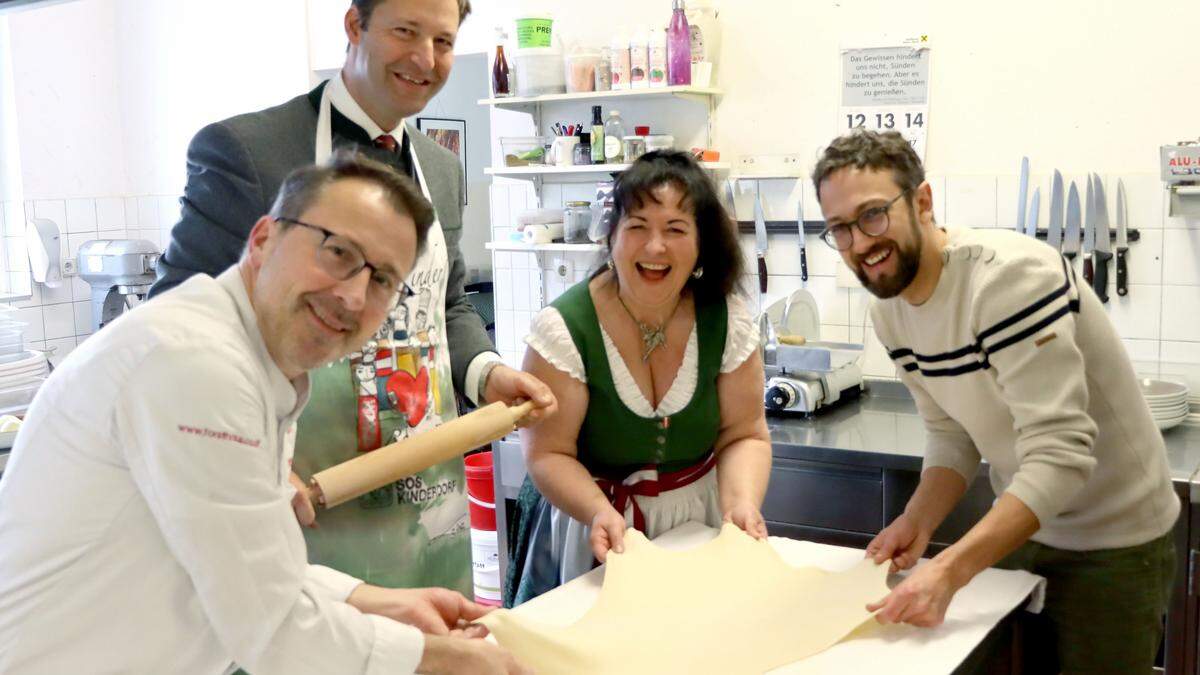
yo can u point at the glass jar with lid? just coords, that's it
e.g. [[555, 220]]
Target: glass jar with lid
[[633, 147], [577, 217]]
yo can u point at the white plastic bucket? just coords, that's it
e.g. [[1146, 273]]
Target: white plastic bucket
[[485, 562]]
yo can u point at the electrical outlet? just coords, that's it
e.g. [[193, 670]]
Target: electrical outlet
[[564, 268], [69, 267], [773, 165]]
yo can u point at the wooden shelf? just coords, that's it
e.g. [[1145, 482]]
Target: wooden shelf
[[544, 170], [585, 96], [522, 246]]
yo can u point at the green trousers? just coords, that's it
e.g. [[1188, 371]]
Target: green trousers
[[1104, 609]]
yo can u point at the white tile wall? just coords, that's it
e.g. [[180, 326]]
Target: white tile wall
[[110, 214], [81, 215], [60, 318], [971, 201], [1159, 321]]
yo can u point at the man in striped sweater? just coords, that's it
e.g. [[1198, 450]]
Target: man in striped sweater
[[1009, 360]]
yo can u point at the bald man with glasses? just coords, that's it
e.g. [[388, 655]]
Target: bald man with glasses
[[146, 521]]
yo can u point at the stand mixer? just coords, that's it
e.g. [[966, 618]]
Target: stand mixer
[[804, 374], [120, 272]]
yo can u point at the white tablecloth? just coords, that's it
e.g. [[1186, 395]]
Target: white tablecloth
[[975, 610]]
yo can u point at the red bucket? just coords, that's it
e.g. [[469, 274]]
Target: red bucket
[[481, 491]]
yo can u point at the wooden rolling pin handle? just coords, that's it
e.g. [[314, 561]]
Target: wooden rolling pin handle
[[317, 495], [520, 411]]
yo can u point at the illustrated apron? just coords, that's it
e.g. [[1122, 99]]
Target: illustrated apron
[[413, 532]]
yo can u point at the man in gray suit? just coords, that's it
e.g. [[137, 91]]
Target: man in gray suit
[[412, 533]]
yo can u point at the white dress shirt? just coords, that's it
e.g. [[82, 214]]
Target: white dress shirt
[[145, 517]]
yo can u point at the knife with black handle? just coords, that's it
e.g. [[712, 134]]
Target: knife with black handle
[[1122, 241], [1100, 283], [1089, 232], [1103, 252], [760, 238], [803, 244], [1122, 274]]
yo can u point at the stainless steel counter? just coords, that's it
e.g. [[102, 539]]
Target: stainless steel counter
[[886, 432]]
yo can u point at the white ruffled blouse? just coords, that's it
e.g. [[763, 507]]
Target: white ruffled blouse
[[549, 336]]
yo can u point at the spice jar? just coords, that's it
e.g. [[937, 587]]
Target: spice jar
[[577, 217], [633, 147], [583, 151]]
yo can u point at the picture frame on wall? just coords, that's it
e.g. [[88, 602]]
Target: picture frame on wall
[[452, 135]]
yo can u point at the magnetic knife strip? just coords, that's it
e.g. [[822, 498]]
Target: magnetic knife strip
[[818, 226]]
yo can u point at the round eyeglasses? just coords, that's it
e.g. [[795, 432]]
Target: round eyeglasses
[[872, 222], [342, 259]]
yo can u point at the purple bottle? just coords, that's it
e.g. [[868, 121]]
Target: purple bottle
[[679, 47]]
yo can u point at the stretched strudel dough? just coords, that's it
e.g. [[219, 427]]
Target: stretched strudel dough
[[729, 606]]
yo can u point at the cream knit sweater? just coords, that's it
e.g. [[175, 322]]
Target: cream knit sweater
[[1014, 359]]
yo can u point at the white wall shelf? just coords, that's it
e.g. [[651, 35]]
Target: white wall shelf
[[584, 96], [543, 170], [522, 246]]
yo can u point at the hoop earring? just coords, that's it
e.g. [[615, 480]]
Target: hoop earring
[[698, 272], [610, 265]]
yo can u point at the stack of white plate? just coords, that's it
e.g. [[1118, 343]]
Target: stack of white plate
[[1193, 418], [20, 376], [1168, 401]]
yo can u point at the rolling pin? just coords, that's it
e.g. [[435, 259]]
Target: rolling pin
[[369, 471]]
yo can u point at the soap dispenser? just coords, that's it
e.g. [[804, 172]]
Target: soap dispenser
[[42, 239]]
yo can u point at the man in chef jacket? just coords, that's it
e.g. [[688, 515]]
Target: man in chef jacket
[[145, 516], [400, 54], [1012, 360]]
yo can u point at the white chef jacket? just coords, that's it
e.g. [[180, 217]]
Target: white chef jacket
[[145, 516]]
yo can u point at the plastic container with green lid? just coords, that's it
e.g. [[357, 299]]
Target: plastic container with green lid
[[534, 31]]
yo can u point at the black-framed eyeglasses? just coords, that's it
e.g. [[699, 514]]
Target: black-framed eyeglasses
[[342, 259], [873, 222]]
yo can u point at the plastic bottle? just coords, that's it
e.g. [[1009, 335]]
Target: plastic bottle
[[679, 47], [614, 131], [604, 70], [704, 21], [658, 57], [619, 64], [639, 59], [598, 136], [500, 74]]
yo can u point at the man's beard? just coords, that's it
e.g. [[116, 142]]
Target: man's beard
[[908, 261]]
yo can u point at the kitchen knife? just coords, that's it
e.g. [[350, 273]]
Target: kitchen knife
[[1122, 240], [760, 238], [1071, 242], [1089, 231], [1054, 229], [1022, 191], [1103, 252], [803, 245], [1034, 206]]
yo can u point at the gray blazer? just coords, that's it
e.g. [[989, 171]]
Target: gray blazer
[[235, 168]]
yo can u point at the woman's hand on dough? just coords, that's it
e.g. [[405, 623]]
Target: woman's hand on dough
[[608, 533], [747, 516]]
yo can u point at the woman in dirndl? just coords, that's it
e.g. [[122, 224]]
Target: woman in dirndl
[[655, 364]]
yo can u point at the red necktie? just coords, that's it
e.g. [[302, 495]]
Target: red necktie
[[387, 142]]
